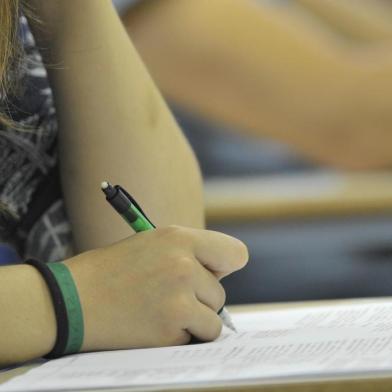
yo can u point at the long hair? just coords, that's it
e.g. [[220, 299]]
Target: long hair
[[9, 15]]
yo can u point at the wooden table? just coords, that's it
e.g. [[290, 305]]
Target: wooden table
[[313, 194], [376, 384]]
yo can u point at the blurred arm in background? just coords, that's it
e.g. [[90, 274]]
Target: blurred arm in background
[[312, 73], [362, 21]]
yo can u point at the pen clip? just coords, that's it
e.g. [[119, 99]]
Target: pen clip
[[134, 202]]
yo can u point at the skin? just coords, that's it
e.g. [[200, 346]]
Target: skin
[[149, 155], [362, 21], [153, 288], [319, 83]]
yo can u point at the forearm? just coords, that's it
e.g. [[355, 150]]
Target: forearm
[[360, 21], [269, 72], [114, 125], [28, 325]]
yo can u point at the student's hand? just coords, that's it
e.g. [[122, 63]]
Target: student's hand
[[155, 288]]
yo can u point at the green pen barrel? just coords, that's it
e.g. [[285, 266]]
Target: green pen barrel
[[141, 223]]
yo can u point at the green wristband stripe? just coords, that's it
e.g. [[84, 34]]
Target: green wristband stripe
[[73, 307]]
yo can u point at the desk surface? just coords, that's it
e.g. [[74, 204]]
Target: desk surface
[[297, 195], [379, 384]]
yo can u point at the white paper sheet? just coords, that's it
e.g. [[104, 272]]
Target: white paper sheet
[[307, 342]]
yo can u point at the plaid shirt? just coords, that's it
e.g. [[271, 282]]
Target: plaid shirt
[[33, 217]]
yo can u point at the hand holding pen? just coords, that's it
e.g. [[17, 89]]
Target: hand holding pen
[[133, 214]]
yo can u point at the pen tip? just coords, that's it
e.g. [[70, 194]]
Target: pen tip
[[104, 185]]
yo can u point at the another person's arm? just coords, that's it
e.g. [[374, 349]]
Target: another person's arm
[[272, 71], [361, 22]]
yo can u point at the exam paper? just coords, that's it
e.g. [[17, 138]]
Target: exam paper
[[308, 342]]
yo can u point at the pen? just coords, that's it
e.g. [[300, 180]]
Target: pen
[[133, 214]]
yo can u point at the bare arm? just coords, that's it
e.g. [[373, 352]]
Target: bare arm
[[28, 326], [271, 71], [113, 125], [129, 292], [360, 21]]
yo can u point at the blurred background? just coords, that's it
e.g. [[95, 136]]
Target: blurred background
[[288, 107]]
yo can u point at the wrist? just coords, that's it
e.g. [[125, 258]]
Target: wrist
[[83, 274], [67, 308], [44, 310], [28, 325]]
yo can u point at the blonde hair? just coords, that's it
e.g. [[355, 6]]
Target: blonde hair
[[9, 17]]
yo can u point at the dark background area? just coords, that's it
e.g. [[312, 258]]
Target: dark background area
[[301, 259]]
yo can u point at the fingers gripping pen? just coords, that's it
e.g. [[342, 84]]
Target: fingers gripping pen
[[133, 214]]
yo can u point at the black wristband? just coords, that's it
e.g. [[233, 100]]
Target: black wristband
[[59, 308]]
